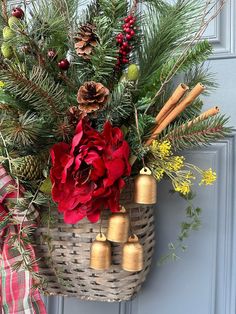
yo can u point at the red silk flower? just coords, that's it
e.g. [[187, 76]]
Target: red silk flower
[[87, 175]]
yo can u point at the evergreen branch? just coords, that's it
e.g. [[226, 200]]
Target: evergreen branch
[[165, 32], [201, 133], [195, 56], [104, 56], [119, 107], [200, 74], [23, 130], [37, 90], [140, 131]]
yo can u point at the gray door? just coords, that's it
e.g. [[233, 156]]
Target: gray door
[[203, 281]]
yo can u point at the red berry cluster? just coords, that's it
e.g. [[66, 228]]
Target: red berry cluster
[[123, 41]]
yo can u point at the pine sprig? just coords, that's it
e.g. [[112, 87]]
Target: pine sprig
[[104, 57], [138, 134], [199, 53], [201, 73], [119, 106], [36, 89], [201, 133], [165, 31], [21, 130]]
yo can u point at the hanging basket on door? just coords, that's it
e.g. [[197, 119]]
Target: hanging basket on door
[[85, 105], [70, 258]]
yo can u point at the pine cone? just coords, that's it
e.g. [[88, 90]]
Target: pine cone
[[92, 96], [86, 41], [75, 115], [30, 167]]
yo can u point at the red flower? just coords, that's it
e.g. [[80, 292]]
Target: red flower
[[87, 175]]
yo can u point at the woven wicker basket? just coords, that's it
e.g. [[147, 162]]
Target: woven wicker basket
[[71, 256]]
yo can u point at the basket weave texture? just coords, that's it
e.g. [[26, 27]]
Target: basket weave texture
[[71, 257]]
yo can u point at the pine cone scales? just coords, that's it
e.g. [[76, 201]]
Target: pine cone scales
[[92, 96], [86, 41], [29, 167]]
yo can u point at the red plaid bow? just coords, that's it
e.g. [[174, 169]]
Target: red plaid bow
[[17, 293]]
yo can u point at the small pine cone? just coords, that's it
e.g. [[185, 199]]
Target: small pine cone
[[30, 167], [86, 40], [92, 96], [75, 115]]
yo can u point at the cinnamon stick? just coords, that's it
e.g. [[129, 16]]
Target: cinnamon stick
[[203, 116], [194, 93], [171, 102]]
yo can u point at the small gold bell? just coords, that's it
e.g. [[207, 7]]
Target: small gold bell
[[132, 259], [145, 188], [100, 254], [118, 227]]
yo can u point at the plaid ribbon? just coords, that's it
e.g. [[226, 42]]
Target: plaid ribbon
[[17, 295]]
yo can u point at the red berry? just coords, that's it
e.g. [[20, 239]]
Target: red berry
[[126, 20], [18, 12], [64, 64], [120, 41], [124, 60], [128, 36], [132, 32], [125, 44], [130, 17]]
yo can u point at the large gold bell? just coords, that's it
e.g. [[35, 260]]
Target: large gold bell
[[145, 188], [118, 226], [132, 259], [100, 254]]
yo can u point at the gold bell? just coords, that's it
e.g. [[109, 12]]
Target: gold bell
[[118, 227], [145, 188], [100, 254], [132, 259]]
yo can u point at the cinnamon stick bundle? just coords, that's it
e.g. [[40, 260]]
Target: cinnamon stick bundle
[[194, 93], [171, 102]]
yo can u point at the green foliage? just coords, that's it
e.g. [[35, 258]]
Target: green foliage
[[201, 133], [192, 223], [104, 56], [201, 73], [139, 133], [35, 88], [194, 56], [21, 130], [165, 32], [119, 107]]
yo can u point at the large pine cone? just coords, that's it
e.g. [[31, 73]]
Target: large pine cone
[[30, 167], [92, 96], [86, 41]]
